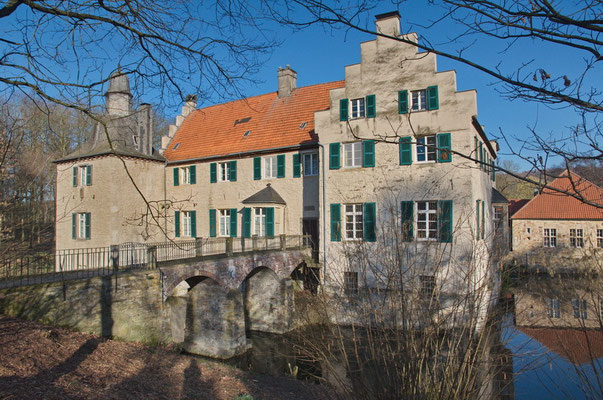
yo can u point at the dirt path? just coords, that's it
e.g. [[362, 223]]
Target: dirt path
[[41, 362]]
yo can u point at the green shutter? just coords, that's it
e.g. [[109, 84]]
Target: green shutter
[[334, 156], [368, 153], [74, 226], [369, 222], [296, 165], [280, 166], [246, 222], [193, 174], [193, 224], [444, 147], [476, 146], [432, 98], [477, 219], [343, 109], [89, 175], [233, 222], [335, 222], [176, 177], [87, 225], [407, 208], [257, 168], [406, 150], [74, 176], [212, 223], [371, 107], [493, 171], [270, 221], [213, 172], [176, 223], [403, 102], [445, 219], [232, 171], [483, 230]]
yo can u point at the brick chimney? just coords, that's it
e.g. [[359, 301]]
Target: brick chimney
[[388, 23], [287, 81]]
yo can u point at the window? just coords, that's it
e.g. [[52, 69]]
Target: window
[[427, 220], [82, 175], [579, 306], [600, 238], [188, 175], [270, 167], [186, 224], [350, 282], [223, 169], [428, 286], [552, 308], [352, 154], [259, 221], [426, 149], [185, 176], [310, 164], [498, 216], [224, 222], [550, 237], [576, 238], [357, 108], [528, 231], [80, 225], [354, 228], [418, 100]]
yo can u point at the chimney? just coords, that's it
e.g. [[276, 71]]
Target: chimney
[[388, 23], [118, 97], [287, 81], [145, 129]]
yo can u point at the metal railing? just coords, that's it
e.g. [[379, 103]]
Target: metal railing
[[100, 261]]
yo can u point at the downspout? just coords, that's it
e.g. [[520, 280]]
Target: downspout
[[324, 216]]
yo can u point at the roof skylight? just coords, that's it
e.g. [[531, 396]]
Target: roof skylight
[[246, 133], [303, 125], [176, 146]]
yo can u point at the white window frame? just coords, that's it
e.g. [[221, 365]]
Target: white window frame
[[418, 100], [352, 155], [357, 108], [600, 238], [431, 151], [83, 175], [186, 224], [259, 221], [270, 167], [354, 221], [185, 175], [576, 238], [223, 171], [310, 167], [549, 236], [431, 217], [224, 222], [553, 310], [350, 282], [81, 226]]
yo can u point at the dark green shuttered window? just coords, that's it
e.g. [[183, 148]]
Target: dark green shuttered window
[[444, 146], [74, 176], [246, 222], [89, 175], [407, 208], [445, 220], [371, 106], [343, 109], [212, 223], [296, 165], [334, 158], [213, 172], [232, 171], [477, 219], [257, 168], [369, 222], [406, 150], [74, 226], [368, 153], [193, 174], [335, 222], [483, 230], [87, 226], [432, 98], [270, 221], [176, 176], [177, 223], [233, 222], [403, 102], [280, 166], [193, 224]]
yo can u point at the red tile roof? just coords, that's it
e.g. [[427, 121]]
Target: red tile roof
[[576, 345], [551, 204], [218, 130]]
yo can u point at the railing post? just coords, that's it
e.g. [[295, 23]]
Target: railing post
[[198, 247], [115, 257], [254, 243], [283, 242], [229, 246]]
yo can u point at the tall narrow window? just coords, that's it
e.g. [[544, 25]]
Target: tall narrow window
[[81, 225], [223, 170], [576, 238], [426, 149], [600, 238], [579, 306], [270, 167], [354, 227], [550, 237], [419, 100], [427, 220], [357, 108], [310, 164], [259, 221], [186, 223], [552, 308], [428, 286], [352, 154], [185, 175], [224, 222], [350, 282], [498, 216]]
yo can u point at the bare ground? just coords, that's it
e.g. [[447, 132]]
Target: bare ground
[[42, 362]]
